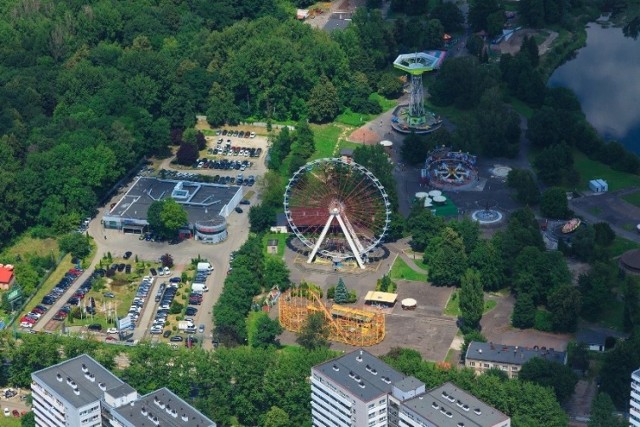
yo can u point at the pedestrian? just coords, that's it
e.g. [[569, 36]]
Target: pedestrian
[[105, 237]]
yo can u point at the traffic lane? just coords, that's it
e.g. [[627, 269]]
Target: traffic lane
[[238, 228]]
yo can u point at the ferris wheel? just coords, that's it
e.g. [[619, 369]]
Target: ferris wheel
[[337, 209]]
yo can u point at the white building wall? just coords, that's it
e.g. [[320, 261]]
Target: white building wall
[[634, 403]]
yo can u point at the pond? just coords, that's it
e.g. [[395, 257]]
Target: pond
[[605, 76]]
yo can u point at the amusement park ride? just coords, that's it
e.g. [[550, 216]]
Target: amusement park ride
[[337, 209], [415, 118]]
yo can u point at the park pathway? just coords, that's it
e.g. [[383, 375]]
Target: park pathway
[[400, 247]]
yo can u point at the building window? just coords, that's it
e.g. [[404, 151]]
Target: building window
[[472, 363], [486, 365]]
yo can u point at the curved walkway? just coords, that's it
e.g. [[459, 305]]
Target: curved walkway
[[399, 247]]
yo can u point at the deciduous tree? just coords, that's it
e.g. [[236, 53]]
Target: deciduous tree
[[471, 299], [314, 333]]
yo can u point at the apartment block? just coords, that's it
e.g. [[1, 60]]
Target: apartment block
[[80, 392], [634, 404], [482, 356], [359, 390]]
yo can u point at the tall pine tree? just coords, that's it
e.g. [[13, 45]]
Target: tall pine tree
[[341, 295]]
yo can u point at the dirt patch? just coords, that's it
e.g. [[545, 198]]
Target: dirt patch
[[496, 328], [364, 135], [577, 269]]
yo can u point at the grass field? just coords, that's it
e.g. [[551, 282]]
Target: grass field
[[591, 169], [10, 421], [453, 305], [27, 245], [51, 281], [633, 198], [620, 245], [352, 118], [280, 237], [402, 271], [325, 139], [613, 316]]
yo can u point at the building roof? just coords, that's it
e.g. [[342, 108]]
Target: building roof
[[281, 220], [272, 242], [361, 374], [202, 201], [385, 297], [509, 354], [631, 259], [62, 377], [169, 409], [347, 152], [449, 405], [5, 275], [597, 336], [408, 384]]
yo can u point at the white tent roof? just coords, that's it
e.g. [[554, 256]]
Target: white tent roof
[[386, 143]]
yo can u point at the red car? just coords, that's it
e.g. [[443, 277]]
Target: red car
[[28, 320]]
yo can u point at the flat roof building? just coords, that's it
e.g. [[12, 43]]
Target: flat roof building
[[206, 204], [75, 392], [482, 356], [163, 408], [360, 390], [81, 392], [634, 407]]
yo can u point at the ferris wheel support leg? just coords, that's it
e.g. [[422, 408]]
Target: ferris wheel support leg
[[352, 245], [320, 240]]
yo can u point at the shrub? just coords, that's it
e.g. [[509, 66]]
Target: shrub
[[543, 321]]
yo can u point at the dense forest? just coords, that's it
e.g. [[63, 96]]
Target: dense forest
[[89, 88]]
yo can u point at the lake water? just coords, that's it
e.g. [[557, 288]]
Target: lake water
[[605, 76]]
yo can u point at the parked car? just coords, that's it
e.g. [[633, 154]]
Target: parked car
[[127, 255], [95, 327], [191, 311], [238, 209], [112, 331], [166, 334], [176, 338]]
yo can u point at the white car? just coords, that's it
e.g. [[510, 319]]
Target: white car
[[26, 325], [166, 271], [160, 272], [7, 412], [112, 331]]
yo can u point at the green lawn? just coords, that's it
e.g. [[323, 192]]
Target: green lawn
[[633, 198], [10, 421], [28, 245], [352, 118], [620, 245], [521, 107], [591, 169], [280, 237], [325, 138], [453, 305], [402, 271], [613, 316]]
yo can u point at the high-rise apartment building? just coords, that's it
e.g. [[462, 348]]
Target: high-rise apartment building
[[80, 392], [634, 404], [360, 390]]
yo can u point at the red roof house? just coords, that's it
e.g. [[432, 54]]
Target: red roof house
[[6, 276]]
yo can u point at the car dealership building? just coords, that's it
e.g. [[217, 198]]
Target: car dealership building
[[207, 206]]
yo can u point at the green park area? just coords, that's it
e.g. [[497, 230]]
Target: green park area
[[401, 271], [281, 238], [633, 198], [453, 305], [591, 169]]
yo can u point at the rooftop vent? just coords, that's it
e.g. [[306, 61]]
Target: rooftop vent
[[335, 367], [459, 403], [451, 399], [185, 418], [386, 380], [479, 350], [69, 380], [442, 410], [357, 378], [477, 411], [155, 420], [465, 407], [351, 374], [84, 368], [76, 391], [174, 413], [361, 384], [102, 386], [460, 424], [449, 414], [434, 405], [445, 394], [143, 411], [90, 376], [59, 377], [374, 372]]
